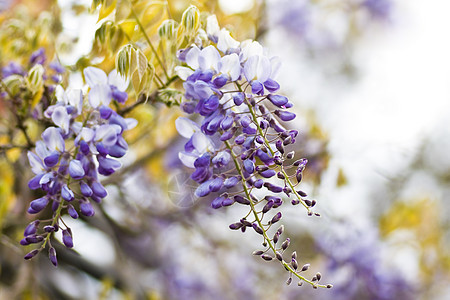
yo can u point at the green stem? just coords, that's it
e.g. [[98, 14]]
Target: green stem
[[141, 27], [266, 142], [258, 220]]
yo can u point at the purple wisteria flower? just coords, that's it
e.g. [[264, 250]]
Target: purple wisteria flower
[[85, 141], [378, 9], [355, 257], [236, 140]]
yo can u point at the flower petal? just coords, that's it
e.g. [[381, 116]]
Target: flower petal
[[95, 76], [187, 158], [100, 94], [61, 118], [186, 127], [117, 80], [53, 139]]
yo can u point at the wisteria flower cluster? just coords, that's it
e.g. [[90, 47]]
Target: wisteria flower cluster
[[238, 145], [84, 142]]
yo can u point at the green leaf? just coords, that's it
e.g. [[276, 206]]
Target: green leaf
[[13, 83], [168, 29], [190, 21], [123, 60], [34, 79]]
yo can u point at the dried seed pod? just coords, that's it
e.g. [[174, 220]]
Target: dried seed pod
[[329, 286], [258, 252], [289, 281]]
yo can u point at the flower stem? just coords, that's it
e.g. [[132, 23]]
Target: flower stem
[[141, 27], [258, 220]]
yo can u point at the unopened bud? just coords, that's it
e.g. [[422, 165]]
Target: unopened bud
[[279, 256], [290, 155], [276, 218], [305, 267], [280, 229], [235, 226], [294, 255], [318, 276], [31, 254], [286, 244], [257, 228], [266, 257], [294, 264], [302, 193]]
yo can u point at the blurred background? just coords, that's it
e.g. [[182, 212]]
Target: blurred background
[[370, 80]]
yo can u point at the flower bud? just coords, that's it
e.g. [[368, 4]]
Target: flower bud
[[276, 218], [286, 244], [279, 256], [290, 155], [67, 238], [305, 267], [257, 228], [242, 200], [31, 254], [31, 228], [52, 256], [294, 263], [266, 257], [235, 226]]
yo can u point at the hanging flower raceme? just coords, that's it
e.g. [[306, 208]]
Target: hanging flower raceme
[[237, 146], [85, 141]]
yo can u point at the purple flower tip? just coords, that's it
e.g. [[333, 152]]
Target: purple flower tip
[[67, 238], [87, 209]]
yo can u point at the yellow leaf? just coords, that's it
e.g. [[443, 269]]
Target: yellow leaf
[[341, 178], [153, 16], [106, 10], [123, 10], [37, 97], [128, 27]]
